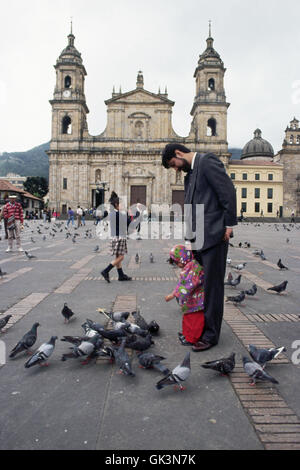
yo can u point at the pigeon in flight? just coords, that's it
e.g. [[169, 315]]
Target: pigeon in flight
[[4, 321], [251, 291], [29, 256], [262, 356], [42, 354], [225, 365], [26, 342], [148, 360], [256, 372], [123, 360], [280, 265], [67, 313], [236, 299], [179, 374], [280, 288]]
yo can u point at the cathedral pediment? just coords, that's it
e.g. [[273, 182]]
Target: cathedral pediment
[[139, 96]]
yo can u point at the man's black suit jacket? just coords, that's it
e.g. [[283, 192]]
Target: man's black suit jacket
[[209, 184]]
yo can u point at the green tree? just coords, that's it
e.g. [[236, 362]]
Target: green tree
[[36, 185]]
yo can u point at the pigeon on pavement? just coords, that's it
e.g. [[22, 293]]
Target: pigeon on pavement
[[138, 342], [86, 347], [123, 360], [233, 282], [280, 288], [179, 374], [236, 299], [4, 321], [67, 313], [225, 365], [240, 266], [135, 329], [42, 354], [26, 342], [256, 372], [280, 265], [151, 258], [137, 258], [251, 291], [149, 360], [2, 273], [29, 256], [262, 356]]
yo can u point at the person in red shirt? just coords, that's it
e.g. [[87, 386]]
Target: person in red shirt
[[13, 214]]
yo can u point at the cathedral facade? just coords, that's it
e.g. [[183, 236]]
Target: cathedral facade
[[126, 156]]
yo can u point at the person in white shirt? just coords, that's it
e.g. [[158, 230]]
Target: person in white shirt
[[79, 215]]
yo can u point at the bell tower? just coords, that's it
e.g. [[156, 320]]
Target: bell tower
[[69, 107], [209, 111]]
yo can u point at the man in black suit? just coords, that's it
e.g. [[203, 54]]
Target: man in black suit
[[207, 183]]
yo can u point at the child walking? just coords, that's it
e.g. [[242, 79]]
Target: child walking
[[119, 222], [189, 293]]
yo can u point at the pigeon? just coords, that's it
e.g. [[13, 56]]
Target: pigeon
[[67, 313], [233, 282], [26, 342], [122, 359], [225, 365], [151, 258], [228, 261], [153, 327], [42, 354], [240, 245], [138, 342], [280, 265], [96, 249], [115, 316], [112, 335], [251, 291], [149, 360], [280, 288], [86, 347], [241, 266], [2, 273], [33, 240], [139, 320], [262, 356], [89, 332], [4, 321], [179, 374], [137, 258], [135, 329], [229, 279], [29, 256], [44, 237], [236, 299], [262, 255], [256, 372], [256, 252]]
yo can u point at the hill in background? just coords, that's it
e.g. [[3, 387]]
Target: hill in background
[[35, 162]]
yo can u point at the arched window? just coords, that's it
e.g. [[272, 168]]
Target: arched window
[[211, 84], [211, 127], [291, 139], [68, 81], [67, 125], [298, 140]]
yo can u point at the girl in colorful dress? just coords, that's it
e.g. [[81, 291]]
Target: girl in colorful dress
[[189, 293]]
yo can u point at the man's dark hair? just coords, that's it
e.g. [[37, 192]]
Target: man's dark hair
[[169, 153]]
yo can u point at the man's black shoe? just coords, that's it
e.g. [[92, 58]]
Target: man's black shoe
[[184, 342], [201, 346], [105, 275]]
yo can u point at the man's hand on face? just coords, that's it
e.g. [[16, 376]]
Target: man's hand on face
[[227, 234]]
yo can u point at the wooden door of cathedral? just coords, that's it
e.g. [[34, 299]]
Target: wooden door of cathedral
[[138, 194], [178, 197]]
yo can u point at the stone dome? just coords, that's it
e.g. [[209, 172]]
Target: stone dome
[[258, 148]]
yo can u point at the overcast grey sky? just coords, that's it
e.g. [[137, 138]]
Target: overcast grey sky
[[259, 43]]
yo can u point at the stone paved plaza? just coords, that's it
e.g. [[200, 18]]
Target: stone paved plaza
[[71, 406]]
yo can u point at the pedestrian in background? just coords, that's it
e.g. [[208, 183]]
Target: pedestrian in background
[[13, 214], [70, 216], [79, 215]]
